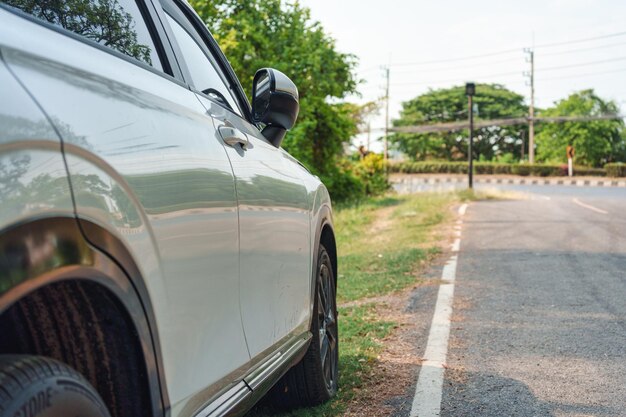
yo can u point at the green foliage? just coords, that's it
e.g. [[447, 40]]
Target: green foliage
[[492, 168], [355, 179], [595, 142], [342, 182], [272, 33], [615, 169], [371, 170], [449, 105]]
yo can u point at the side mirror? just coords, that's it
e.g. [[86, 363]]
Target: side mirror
[[274, 103]]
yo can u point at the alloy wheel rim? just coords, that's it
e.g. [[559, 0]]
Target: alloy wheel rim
[[327, 319]]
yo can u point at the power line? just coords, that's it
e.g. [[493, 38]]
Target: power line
[[458, 79], [582, 64], [439, 69], [588, 74], [503, 74], [369, 69], [593, 48], [430, 70], [610, 35], [464, 58], [509, 51]]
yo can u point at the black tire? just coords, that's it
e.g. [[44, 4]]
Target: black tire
[[314, 379], [35, 386]]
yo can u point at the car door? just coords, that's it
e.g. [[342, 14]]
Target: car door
[[275, 240], [274, 221], [145, 163]]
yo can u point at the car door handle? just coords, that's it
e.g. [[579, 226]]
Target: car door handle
[[232, 136]]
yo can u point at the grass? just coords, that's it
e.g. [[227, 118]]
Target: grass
[[382, 244]]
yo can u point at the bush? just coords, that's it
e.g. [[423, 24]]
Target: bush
[[342, 184], [371, 170], [353, 180], [520, 169], [591, 172], [493, 168], [615, 169]]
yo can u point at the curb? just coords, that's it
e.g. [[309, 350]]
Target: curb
[[513, 181]]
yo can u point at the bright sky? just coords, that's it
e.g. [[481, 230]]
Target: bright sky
[[398, 32]]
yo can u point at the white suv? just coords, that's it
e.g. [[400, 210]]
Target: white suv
[[160, 254]]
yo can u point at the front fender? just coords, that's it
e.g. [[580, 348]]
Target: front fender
[[321, 222]]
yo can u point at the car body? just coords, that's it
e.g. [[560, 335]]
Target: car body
[[152, 235]]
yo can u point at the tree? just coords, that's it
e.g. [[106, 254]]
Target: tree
[[595, 142], [270, 33], [450, 104]]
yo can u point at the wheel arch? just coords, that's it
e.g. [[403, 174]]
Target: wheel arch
[[46, 254], [324, 234]]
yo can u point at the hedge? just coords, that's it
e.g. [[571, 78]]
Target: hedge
[[539, 170], [615, 169]]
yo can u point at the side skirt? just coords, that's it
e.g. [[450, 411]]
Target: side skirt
[[243, 395]]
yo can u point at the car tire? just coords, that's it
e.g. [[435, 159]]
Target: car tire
[[314, 379], [35, 386]]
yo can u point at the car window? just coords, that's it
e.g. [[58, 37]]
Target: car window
[[117, 24], [204, 76]]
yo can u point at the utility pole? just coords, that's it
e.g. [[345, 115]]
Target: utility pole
[[369, 133], [386, 155], [470, 90], [531, 109]]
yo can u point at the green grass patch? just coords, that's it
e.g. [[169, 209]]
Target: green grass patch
[[383, 243]]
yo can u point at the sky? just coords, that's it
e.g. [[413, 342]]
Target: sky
[[407, 35]]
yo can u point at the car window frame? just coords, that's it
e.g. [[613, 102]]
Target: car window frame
[[196, 67], [155, 30], [189, 20]]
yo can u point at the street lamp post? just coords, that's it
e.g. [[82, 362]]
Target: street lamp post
[[470, 90]]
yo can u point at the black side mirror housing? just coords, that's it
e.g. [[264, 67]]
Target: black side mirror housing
[[275, 103]]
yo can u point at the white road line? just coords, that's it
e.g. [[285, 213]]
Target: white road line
[[428, 391], [587, 206]]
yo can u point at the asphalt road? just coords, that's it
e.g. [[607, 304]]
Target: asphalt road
[[539, 320]]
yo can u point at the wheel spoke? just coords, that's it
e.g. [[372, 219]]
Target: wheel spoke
[[321, 309], [325, 349], [323, 285], [332, 340], [333, 367]]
